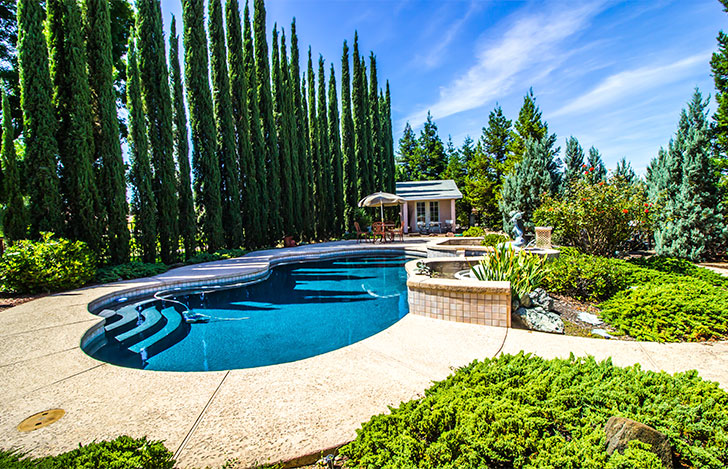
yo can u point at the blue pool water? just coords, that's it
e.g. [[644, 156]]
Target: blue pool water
[[300, 311]]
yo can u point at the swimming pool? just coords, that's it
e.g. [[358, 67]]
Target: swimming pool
[[299, 311]]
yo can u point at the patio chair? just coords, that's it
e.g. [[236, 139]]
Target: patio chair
[[398, 231], [360, 234], [378, 231], [449, 226]]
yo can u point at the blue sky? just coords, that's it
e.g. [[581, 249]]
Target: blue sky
[[613, 74]]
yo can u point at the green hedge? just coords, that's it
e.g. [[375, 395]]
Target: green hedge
[[525, 411], [493, 239], [122, 453], [682, 267], [474, 232], [216, 256], [129, 271]]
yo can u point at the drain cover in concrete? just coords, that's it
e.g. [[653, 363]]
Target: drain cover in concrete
[[40, 420]]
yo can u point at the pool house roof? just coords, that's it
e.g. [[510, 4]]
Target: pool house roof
[[429, 190]]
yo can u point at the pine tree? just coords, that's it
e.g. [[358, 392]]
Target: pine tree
[[39, 123], [573, 162], [72, 98], [324, 163], [407, 152], [225, 141], [691, 225], [262, 72], [336, 163], [625, 172], [294, 143], [359, 112], [389, 142], [283, 133], [15, 219], [143, 205], [347, 144], [256, 133], [315, 152], [111, 181], [597, 170], [301, 136], [187, 222], [250, 186], [719, 67], [202, 123], [430, 159], [378, 169], [158, 109], [528, 126]]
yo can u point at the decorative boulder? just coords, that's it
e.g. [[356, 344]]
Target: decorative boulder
[[538, 319], [620, 431], [539, 297]]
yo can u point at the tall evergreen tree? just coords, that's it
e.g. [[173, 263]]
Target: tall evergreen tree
[[315, 152], [528, 126], [187, 222], [624, 171], [256, 133], [369, 157], [15, 220], [283, 132], [347, 144], [595, 164], [143, 205], [72, 98], [719, 67], [301, 135], [359, 112], [389, 142], [307, 168], [202, 123], [324, 168], [225, 142], [158, 109], [430, 158], [262, 72], [336, 163], [39, 123], [377, 149], [111, 181], [250, 186], [407, 152], [294, 144], [573, 161]]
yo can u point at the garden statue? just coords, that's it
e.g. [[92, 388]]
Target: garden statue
[[518, 228]]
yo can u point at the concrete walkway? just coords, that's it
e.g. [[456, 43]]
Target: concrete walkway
[[262, 414]]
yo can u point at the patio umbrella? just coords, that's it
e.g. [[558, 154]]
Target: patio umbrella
[[381, 200]]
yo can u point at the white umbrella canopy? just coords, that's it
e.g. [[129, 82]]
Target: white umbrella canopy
[[381, 199]]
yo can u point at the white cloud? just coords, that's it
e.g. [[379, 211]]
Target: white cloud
[[435, 56], [530, 42], [632, 82]]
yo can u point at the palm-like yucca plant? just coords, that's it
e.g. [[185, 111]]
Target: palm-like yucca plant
[[522, 269]]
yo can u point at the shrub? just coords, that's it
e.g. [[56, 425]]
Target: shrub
[[129, 271], [688, 310], [493, 239], [682, 267], [216, 256], [47, 265], [597, 217], [123, 452], [474, 232], [522, 269], [526, 411]]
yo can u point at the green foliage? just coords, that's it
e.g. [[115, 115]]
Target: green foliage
[[624, 171], [39, 122], [15, 219], [347, 143], [522, 269], [597, 217], [424, 158], [388, 140], [687, 310], [638, 455], [47, 265], [474, 232], [528, 126], [123, 452], [336, 160], [595, 166], [216, 256], [323, 192], [682, 267], [719, 69], [528, 412], [493, 239], [377, 149], [573, 162], [360, 116], [128, 271]]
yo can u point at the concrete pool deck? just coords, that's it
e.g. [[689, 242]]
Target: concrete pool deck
[[262, 414]]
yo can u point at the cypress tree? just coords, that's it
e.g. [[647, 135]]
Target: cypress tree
[[256, 133], [111, 181], [370, 172], [72, 98], [315, 152], [377, 152], [347, 144], [187, 222], [250, 186], [290, 113], [573, 161], [597, 170], [300, 135], [202, 123], [307, 166], [143, 205], [158, 109], [281, 117], [262, 72], [324, 162], [359, 112], [336, 163], [226, 151], [39, 123], [389, 142], [15, 220]]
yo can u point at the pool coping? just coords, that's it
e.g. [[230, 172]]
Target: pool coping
[[265, 414]]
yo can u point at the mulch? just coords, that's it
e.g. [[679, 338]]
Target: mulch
[[8, 300]]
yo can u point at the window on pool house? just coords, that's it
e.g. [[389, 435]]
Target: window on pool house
[[434, 211], [420, 212]]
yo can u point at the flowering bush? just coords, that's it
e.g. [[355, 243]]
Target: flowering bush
[[597, 217]]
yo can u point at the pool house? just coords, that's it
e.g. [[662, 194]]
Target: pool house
[[429, 205]]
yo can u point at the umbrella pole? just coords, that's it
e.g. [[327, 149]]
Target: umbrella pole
[[381, 212]]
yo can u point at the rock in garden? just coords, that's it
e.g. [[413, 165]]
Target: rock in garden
[[620, 431], [538, 319], [601, 333], [539, 297], [589, 318]]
